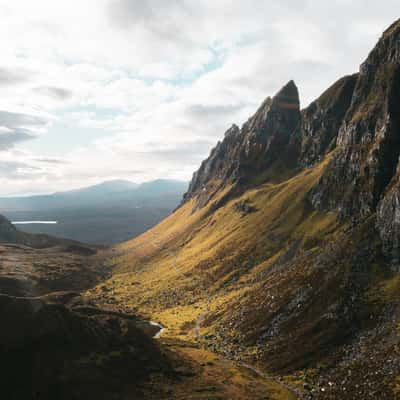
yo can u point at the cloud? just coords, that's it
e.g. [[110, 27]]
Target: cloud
[[14, 120], [126, 13], [162, 20], [176, 153], [206, 111], [18, 127], [5, 130], [54, 92], [10, 139], [10, 167], [17, 170], [10, 77], [50, 161], [24, 174]]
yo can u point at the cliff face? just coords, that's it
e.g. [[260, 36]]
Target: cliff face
[[246, 153], [362, 177], [322, 119], [356, 121], [368, 141]]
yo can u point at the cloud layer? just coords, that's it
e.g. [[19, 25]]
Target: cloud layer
[[102, 89]]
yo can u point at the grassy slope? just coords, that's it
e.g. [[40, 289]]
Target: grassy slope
[[283, 287], [196, 263]]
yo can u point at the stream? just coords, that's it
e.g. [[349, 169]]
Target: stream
[[161, 329]]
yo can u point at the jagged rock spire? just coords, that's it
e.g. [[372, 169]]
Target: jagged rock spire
[[286, 102], [287, 97], [246, 152]]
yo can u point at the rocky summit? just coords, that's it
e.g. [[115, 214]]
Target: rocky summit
[[247, 152]]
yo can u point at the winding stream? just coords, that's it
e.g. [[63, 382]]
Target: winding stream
[[160, 331]]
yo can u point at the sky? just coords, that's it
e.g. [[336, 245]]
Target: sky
[[94, 90]]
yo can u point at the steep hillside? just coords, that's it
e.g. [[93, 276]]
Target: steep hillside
[[285, 251]]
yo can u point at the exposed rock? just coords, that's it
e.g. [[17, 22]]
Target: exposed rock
[[8, 233], [388, 223], [322, 119], [247, 152], [368, 143], [245, 207], [356, 122]]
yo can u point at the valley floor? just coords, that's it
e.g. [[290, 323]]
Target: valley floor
[[205, 375], [198, 372], [51, 280]]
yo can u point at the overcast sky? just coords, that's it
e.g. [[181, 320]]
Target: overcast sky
[[93, 90]]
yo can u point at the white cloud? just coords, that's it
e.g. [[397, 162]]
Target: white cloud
[[141, 90]]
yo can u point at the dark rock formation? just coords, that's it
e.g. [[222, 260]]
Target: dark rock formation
[[247, 152], [8, 233], [322, 119], [245, 207], [368, 143], [356, 122], [48, 351], [361, 178]]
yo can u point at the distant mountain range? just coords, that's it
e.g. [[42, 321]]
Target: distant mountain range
[[105, 213]]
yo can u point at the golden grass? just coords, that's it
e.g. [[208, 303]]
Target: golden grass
[[218, 378], [196, 263]]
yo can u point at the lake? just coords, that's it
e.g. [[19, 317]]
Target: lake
[[34, 222]]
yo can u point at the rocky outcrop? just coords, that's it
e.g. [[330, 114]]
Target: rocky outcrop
[[368, 141], [362, 167], [247, 152], [322, 119], [8, 233], [361, 178], [388, 221]]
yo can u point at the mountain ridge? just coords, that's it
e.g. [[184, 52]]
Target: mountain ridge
[[284, 252], [104, 188], [357, 116]]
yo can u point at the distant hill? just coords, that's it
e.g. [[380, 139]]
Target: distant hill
[[106, 213]]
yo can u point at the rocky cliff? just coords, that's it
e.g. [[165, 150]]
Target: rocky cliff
[[245, 154], [356, 122]]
